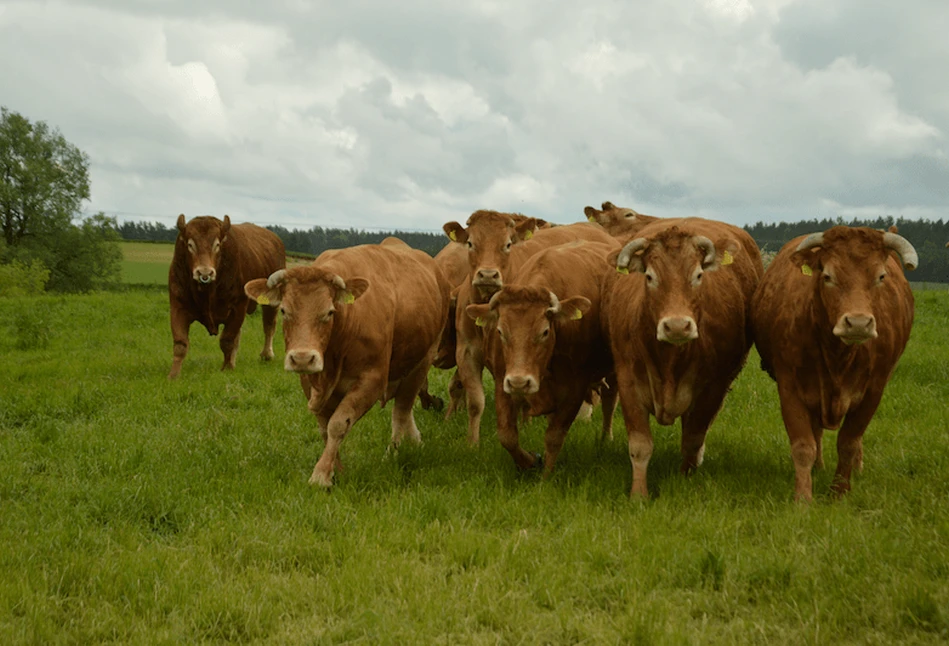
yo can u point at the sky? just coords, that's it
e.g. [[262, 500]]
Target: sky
[[410, 114]]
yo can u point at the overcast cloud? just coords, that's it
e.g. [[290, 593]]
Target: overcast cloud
[[413, 113]]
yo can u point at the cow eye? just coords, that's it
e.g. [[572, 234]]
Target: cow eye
[[629, 215], [470, 245], [698, 277], [283, 311], [507, 247], [882, 276]]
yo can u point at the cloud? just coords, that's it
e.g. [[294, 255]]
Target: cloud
[[370, 114]]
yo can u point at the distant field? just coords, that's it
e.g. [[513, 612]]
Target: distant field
[[134, 510], [146, 263]]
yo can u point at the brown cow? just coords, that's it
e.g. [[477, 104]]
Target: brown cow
[[212, 261], [618, 221], [679, 329], [831, 318], [545, 345], [498, 243], [361, 325]]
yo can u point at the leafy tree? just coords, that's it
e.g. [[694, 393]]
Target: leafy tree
[[44, 180]]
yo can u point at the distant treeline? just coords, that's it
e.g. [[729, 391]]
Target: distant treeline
[[928, 237], [314, 241]]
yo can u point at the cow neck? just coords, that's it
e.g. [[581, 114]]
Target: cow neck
[[669, 368], [838, 365]]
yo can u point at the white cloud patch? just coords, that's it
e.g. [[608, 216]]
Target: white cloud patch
[[370, 114]]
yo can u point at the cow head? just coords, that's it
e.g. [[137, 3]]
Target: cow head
[[673, 264], [310, 299], [526, 320], [489, 237], [619, 222], [848, 266], [204, 237]]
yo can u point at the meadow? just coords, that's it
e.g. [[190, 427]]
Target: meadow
[[136, 510]]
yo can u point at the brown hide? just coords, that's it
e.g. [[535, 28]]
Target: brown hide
[[700, 301], [489, 233], [361, 325], [547, 351], [619, 222], [226, 256], [828, 377]]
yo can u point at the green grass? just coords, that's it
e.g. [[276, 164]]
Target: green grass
[[146, 263], [135, 510]]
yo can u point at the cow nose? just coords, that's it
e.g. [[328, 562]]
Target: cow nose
[[520, 384], [856, 328], [489, 276], [308, 361], [205, 274], [677, 329]]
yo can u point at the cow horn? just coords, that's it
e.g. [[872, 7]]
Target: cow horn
[[902, 246], [554, 305], [627, 253], [707, 247], [276, 278], [339, 282], [811, 241]]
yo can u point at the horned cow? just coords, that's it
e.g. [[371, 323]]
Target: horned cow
[[677, 317], [361, 326], [212, 261], [831, 318]]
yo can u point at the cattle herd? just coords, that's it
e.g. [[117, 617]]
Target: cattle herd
[[658, 314]]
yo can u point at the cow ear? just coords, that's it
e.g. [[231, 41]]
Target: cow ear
[[355, 287], [725, 253], [525, 230], [607, 206], [481, 313], [573, 308], [181, 222], [809, 261], [226, 227], [455, 232], [258, 290], [592, 214]]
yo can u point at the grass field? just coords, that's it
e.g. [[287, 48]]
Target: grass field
[[134, 510]]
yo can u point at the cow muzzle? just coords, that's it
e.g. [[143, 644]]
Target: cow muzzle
[[520, 384], [677, 329], [305, 361], [487, 280], [204, 275], [854, 329]]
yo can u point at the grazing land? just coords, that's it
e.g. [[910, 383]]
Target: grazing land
[[138, 510]]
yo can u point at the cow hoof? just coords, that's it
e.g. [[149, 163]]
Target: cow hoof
[[437, 403], [538, 462], [321, 479]]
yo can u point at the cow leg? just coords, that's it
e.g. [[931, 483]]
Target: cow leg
[[360, 398], [850, 440], [456, 394], [428, 400], [608, 396], [507, 412], [638, 434], [818, 440], [695, 423], [403, 418], [470, 369], [558, 423], [180, 322], [231, 337], [800, 424], [269, 315]]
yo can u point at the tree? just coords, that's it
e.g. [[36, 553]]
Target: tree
[[44, 180]]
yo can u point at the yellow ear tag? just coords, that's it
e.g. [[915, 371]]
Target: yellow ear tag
[[727, 258], [480, 322], [577, 314], [528, 235], [807, 271], [592, 219], [451, 236], [622, 270], [348, 298], [263, 300]]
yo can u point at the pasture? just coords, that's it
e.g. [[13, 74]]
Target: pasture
[[135, 510]]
